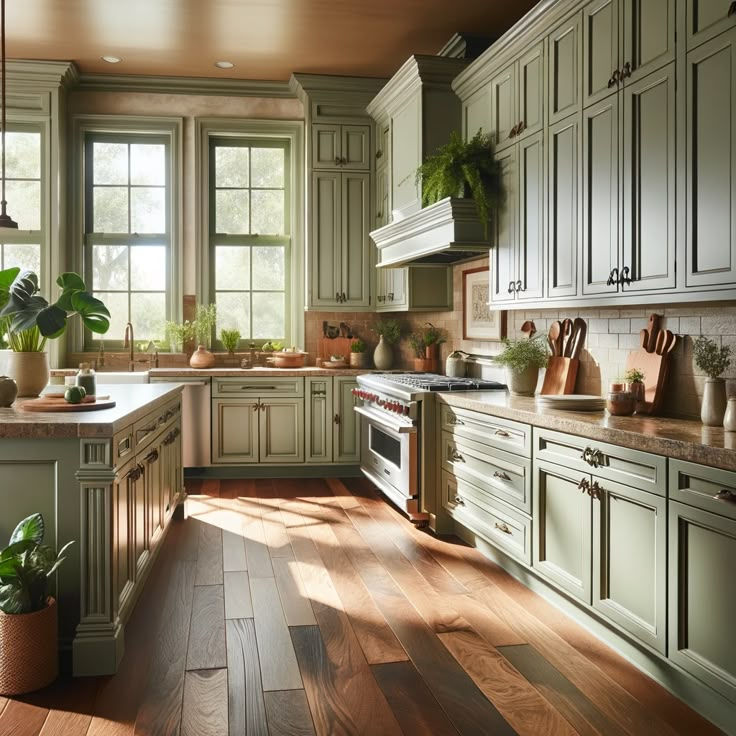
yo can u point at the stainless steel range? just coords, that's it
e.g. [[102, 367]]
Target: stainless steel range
[[398, 418]]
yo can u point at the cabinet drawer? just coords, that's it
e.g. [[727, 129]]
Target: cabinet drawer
[[500, 473], [145, 429], [492, 520], [710, 489], [258, 386], [501, 433], [122, 446], [620, 464]]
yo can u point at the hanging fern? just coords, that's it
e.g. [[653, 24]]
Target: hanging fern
[[461, 167]]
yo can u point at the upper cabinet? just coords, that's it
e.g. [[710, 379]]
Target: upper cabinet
[[341, 147], [707, 19]]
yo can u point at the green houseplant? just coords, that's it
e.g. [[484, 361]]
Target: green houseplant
[[634, 381], [463, 168], [389, 332], [713, 360], [28, 320], [28, 630], [358, 353], [522, 360], [425, 343], [230, 340]]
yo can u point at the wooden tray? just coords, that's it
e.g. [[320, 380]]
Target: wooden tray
[[60, 405], [334, 364]]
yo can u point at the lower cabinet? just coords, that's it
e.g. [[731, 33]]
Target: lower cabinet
[[127, 488], [332, 427], [702, 595], [346, 424]]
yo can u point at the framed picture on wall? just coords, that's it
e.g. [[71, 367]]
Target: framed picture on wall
[[480, 321]]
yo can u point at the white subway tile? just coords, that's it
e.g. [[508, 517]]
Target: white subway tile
[[619, 325]]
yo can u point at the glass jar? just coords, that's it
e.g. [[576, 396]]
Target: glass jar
[[87, 379], [620, 402]]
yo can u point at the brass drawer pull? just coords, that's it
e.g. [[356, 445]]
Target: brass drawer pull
[[134, 474], [459, 501], [502, 433], [455, 456], [501, 475], [595, 491], [454, 421], [595, 458], [584, 486], [502, 527], [152, 457], [726, 495]]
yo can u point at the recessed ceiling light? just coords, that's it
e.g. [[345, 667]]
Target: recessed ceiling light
[[224, 64], [111, 59]]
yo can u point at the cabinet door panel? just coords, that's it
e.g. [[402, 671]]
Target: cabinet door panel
[[531, 91], [346, 441], [282, 431], [600, 195], [563, 206], [530, 256], [562, 537], [326, 238], [477, 112], [702, 596], [406, 155], [383, 201], [706, 19], [503, 259], [600, 49], [235, 430], [355, 255], [356, 146], [711, 163], [649, 36], [318, 420], [504, 107], [565, 77], [124, 534], [630, 533], [649, 181], [326, 146]]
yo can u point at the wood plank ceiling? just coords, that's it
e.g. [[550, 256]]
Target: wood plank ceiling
[[265, 39]]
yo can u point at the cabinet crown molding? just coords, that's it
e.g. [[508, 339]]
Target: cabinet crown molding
[[326, 88], [31, 75]]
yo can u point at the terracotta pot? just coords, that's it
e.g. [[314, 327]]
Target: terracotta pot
[[30, 371], [29, 655], [423, 364], [383, 357], [289, 360], [202, 358], [359, 360], [522, 383], [713, 407]]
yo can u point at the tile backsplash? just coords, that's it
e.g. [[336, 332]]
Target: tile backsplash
[[612, 334]]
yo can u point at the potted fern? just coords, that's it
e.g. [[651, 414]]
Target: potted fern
[[522, 360], [358, 354], [28, 629], [463, 169]]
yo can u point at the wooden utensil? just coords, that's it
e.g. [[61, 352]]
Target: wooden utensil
[[566, 335], [666, 342], [60, 405], [579, 332], [653, 330], [644, 338], [555, 330], [560, 375]]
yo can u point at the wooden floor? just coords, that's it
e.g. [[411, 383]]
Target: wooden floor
[[306, 606]]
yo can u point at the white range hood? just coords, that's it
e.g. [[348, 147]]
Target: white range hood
[[444, 233]]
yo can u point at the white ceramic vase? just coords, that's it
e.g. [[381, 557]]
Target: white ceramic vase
[[30, 371], [713, 408], [729, 418], [383, 356], [522, 383]]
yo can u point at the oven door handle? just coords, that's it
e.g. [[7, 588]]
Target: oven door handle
[[385, 421]]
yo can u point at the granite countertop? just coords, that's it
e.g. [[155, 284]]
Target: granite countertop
[[133, 402], [260, 371], [684, 439]]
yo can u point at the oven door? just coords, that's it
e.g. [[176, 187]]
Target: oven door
[[389, 455]]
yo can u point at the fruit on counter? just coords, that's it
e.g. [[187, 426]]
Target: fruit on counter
[[74, 395], [272, 347]]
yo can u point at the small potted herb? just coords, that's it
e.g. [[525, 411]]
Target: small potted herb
[[389, 332], [230, 340], [421, 362], [522, 360], [28, 628], [713, 360], [634, 382], [358, 354]]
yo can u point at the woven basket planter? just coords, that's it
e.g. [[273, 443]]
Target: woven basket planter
[[28, 650]]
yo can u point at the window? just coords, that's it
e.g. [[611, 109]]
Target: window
[[23, 192], [250, 236], [128, 230]]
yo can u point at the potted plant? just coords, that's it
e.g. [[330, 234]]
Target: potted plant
[[713, 360], [204, 322], [230, 340], [389, 332], [432, 337], [28, 630], [634, 383], [180, 333], [358, 354], [29, 320], [421, 362], [522, 360], [461, 169]]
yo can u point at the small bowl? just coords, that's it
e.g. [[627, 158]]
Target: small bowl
[[289, 360]]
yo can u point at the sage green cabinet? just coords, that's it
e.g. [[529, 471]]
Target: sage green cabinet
[[600, 49], [414, 289], [477, 112], [340, 254], [235, 433], [126, 489], [332, 428], [281, 431], [565, 58], [711, 163], [702, 596], [341, 147], [406, 155], [346, 432], [318, 417], [504, 226], [708, 18]]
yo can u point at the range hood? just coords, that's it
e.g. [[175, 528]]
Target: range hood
[[444, 233]]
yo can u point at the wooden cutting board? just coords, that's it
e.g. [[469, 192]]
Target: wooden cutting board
[[335, 346], [560, 375], [654, 368], [56, 404]]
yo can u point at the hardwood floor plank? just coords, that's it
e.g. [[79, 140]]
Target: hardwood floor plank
[[276, 537], [518, 701], [238, 603], [237, 488], [256, 550], [246, 710], [22, 719], [207, 630], [233, 552], [414, 706], [288, 713], [205, 703], [279, 669], [294, 601], [573, 704], [69, 701], [209, 559]]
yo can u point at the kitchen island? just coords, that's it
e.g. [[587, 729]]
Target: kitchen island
[[109, 480]]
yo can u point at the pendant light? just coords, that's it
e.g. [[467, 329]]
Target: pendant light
[[6, 220]]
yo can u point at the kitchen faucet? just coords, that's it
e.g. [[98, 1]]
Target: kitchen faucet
[[129, 343]]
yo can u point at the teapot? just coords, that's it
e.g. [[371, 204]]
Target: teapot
[[8, 391]]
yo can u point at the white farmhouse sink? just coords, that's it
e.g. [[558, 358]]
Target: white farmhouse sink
[[104, 378]]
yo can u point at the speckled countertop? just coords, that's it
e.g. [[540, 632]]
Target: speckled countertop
[[133, 402], [684, 439]]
